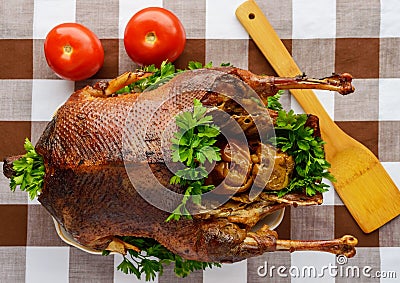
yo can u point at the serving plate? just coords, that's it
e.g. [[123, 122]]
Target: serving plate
[[67, 238], [272, 220]]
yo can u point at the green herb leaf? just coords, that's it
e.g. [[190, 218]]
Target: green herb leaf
[[153, 257], [273, 101], [197, 65], [193, 146], [298, 140], [160, 76], [29, 172]]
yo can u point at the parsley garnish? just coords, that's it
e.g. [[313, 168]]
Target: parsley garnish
[[160, 75], [273, 101], [298, 140], [193, 145], [153, 257], [197, 65], [29, 171]]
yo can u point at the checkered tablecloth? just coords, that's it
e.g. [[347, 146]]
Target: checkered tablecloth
[[361, 37]]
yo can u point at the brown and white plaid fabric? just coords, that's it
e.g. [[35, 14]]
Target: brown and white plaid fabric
[[361, 37]]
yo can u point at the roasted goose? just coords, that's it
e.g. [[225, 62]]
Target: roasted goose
[[106, 156]]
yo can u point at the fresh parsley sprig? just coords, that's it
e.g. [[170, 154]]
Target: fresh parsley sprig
[[160, 75], [153, 257], [193, 145], [29, 171], [296, 139], [197, 65], [273, 101]]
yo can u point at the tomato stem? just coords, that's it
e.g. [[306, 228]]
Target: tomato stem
[[68, 49], [151, 37]]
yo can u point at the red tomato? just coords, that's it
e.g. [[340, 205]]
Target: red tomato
[[73, 51], [154, 35]]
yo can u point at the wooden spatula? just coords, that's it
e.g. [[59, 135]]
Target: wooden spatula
[[362, 183]]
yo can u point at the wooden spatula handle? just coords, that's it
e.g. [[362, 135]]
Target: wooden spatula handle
[[263, 34]]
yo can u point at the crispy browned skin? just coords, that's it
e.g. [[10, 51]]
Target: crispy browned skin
[[88, 191]]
